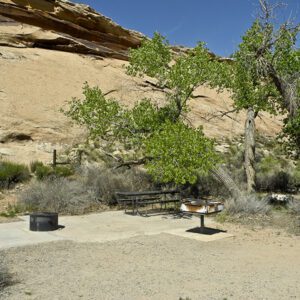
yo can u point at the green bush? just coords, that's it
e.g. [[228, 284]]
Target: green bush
[[279, 181], [42, 172], [274, 174], [12, 173], [295, 176]]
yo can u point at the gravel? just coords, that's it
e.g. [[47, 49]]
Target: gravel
[[254, 265]]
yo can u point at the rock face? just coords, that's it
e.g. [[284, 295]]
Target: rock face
[[35, 83], [74, 28]]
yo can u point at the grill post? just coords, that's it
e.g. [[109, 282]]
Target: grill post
[[202, 223]]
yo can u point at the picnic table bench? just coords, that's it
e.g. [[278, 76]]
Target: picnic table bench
[[145, 198]]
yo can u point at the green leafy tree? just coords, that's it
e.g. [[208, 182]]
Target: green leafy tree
[[172, 151], [179, 153], [264, 76], [177, 75]]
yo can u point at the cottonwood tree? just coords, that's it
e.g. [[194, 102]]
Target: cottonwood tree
[[264, 76], [278, 58], [172, 151], [176, 75]]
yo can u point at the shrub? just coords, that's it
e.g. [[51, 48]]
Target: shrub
[[62, 171], [59, 195], [278, 181], [12, 211], [105, 182], [295, 177], [246, 205], [12, 173], [43, 172], [274, 174], [5, 276], [294, 206], [34, 165]]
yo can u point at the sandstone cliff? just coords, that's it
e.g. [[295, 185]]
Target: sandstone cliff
[[63, 25], [35, 83]]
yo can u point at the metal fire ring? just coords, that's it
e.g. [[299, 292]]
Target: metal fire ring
[[43, 221]]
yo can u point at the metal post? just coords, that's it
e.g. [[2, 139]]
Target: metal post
[[202, 223]]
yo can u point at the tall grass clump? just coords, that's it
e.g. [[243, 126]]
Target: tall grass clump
[[34, 165], [59, 195], [12, 173], [43, 172]]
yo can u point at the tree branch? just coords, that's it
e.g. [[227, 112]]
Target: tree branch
[[222, 114], [129, 163]]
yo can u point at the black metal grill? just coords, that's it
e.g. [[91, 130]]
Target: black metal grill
[[45, 221]]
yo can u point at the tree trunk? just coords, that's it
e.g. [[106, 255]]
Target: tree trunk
[[222, 175], [249, 159]]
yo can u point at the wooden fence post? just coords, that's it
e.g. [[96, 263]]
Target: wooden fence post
[[54, 158]]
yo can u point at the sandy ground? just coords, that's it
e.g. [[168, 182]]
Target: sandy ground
[[254, 264]]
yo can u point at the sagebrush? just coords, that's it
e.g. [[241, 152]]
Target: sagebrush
[[59, 195], [92, 187], [105, 182], [246, 205]]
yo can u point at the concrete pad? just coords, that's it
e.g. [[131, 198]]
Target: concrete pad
[[103, 227], [198, 236], [17, 234]]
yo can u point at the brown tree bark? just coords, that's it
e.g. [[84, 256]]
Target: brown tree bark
[[249, 158]]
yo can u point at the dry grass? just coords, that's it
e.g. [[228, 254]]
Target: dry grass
[[247, 205], [294, 206], [5, 276], [93, 188]]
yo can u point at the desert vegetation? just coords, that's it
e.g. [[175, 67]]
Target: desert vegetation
[[6, 278], [12, 173], [90, 189]]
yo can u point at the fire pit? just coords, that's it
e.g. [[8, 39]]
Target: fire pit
[[43, 221], [201, 208]]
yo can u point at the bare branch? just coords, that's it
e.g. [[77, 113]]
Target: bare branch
[[220, 114], [130, 163]]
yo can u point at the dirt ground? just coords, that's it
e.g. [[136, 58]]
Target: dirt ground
[[254, 264]]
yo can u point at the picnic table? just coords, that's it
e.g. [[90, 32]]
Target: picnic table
[[144, 198]]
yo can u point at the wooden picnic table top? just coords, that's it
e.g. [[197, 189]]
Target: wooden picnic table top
[[146, 193]]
